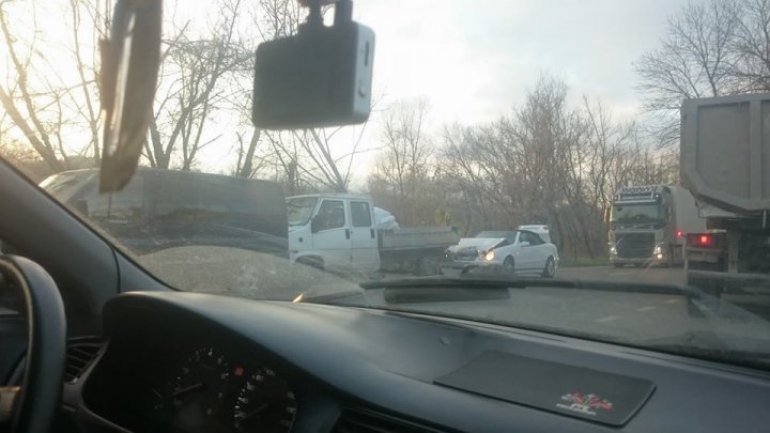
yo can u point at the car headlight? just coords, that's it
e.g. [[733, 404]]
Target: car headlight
[[658, 250], [490, 255], [613, 250]]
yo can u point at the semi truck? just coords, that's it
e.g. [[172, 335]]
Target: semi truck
[[649, 225], [339, 233], [725, 163]]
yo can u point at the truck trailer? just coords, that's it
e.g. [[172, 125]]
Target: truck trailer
[[725, 163]]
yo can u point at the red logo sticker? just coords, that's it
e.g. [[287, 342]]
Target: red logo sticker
[[586, 404]]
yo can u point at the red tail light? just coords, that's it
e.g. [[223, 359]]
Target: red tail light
[[702, 240], [679, 234]]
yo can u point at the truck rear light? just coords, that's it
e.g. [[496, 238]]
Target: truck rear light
[[704, 240]]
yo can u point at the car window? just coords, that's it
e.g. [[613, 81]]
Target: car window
[[494, 234], [361, 214], [524, 237], [300, 210], [534, 238], [331, 215]]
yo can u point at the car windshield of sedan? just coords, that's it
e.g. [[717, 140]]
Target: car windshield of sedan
[[494, 234], [487, 116]]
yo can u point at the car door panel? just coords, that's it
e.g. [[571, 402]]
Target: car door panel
[[332, 240], [365, 255], [526, 252], [519, 254], [537, 252]]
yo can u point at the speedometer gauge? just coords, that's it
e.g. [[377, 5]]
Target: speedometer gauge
[[195, 399], [265, 404]]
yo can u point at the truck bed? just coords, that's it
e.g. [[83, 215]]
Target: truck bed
[[417, 238]]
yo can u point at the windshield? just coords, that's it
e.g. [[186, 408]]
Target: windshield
[[487, 117], [635, 213], [494, 234], [300, 210]]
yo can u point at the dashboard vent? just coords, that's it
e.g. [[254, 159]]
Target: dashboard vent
[[362, 421], [79, 357]]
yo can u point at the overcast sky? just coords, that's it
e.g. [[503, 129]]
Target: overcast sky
[[473, 60]]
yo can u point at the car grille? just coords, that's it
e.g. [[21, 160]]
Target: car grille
[[635, 245], [467, 254]]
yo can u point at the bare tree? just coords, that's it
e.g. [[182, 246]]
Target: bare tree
[[246, 164], [98, 21], [274, 19], [715, 48], [28, 121], [312, 154], [404, 166], [752, 45], [44, 105], [192, 70]]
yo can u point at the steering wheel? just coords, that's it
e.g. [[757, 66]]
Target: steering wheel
[[37, 400]]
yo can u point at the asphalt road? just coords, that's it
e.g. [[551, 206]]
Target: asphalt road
[[654, 275]]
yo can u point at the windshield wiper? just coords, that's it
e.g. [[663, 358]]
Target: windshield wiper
[[494, 287], [746, 358], [511, 282]]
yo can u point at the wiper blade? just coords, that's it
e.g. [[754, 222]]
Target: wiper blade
[[760, 360], [511, 282]]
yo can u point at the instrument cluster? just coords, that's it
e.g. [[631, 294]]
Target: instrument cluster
[[212, 392]]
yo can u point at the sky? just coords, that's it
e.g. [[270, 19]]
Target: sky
[[475, 60]]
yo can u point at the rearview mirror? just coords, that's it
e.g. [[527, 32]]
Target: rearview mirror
[[322, 76]]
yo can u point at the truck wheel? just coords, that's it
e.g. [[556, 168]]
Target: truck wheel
[[550, 268], [509, 265]]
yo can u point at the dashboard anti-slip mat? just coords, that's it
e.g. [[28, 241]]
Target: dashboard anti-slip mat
[[565, 389]]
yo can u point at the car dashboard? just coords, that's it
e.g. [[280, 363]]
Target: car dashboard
[[184, 362]]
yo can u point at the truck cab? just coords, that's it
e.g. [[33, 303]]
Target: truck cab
[[333, 231], [649, 225]]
